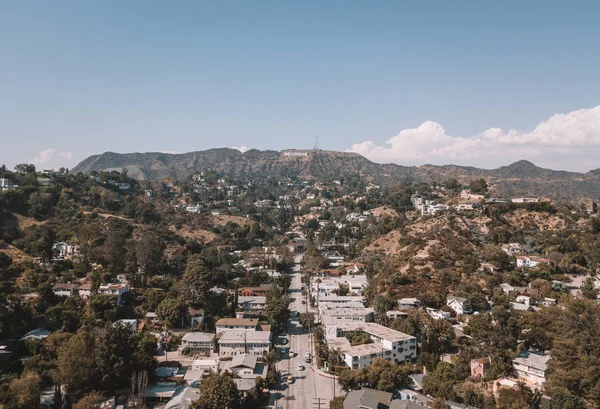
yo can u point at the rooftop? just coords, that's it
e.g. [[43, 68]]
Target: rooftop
[[238, 322], [367, 399], [240, 335], [537, 360], [198, 337]]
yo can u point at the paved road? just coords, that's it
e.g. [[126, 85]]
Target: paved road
[[307, 384]]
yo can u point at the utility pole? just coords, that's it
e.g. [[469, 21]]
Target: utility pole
[[318, 402]]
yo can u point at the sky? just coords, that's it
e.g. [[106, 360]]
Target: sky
[[466, 82]]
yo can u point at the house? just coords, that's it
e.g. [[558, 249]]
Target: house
[[183, 398], [405, 394], [531, 367], [236, 323], [385, 343], [466, 206], [479, 366], [85, 290], [532, 261], [196, 316], [151, 316], [509, 289], [37, 334], [113, 289], [460, 305], [6, 185], [333, 313], [238, 341], [338, 299], [409, 303], [396, 314], [64, 289], [405, 404], [525, 200], [254, 291], [253, 303], [416, 382], [438, 314], [366, 398], [245, 366], [131, 324], [64, 250], [198, 343], [512, 248]]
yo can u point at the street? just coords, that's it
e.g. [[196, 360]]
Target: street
[[308, 386]]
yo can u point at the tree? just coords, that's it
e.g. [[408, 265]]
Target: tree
[[90, 401], [170, 311], [478, 186], [115, 358], [440, 404], [307, 320], [337, 402], [218, 392], [149, 251], [26, 390], [277, 308], [25, 168], [76, 364]]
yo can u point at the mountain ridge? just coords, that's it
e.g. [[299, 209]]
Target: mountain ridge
[[521, 178]]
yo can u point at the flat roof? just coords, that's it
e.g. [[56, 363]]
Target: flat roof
[[373, 329], [198, 337], [237, 322], [238, 335]]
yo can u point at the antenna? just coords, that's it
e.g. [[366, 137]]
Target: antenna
[[316, 147]]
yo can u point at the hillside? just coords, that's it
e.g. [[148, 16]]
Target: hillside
[[521, 178]]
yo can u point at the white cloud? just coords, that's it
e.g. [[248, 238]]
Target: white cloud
[[51, 159], [241, 148], [564, 141]]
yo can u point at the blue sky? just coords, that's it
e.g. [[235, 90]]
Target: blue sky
[[382, 78]]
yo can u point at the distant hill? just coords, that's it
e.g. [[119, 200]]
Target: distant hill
[[521, 178]]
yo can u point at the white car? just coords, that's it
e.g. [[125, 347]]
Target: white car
[[291, 352], [301, 367]]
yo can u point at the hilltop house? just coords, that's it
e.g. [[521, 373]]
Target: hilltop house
[[460, 305], [199, 343], [531, 367], [533, 261]]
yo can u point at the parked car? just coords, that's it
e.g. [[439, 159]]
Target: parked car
[[283, 350], [290, 379], [284, 341], [307, 360], [301, 367]]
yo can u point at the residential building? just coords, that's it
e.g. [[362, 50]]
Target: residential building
[[245, 366], [359, 314], [405, 404], [531, 367], [131, 324], [479, 366], [64, 289], [113, 289], [525, 200], [460, 305], [405, 394], [252, 303], [85, 290], [64, 250], [532, 261], [236, 323], [237, 341], [409, 303], [385, 343], [6, 185], [338, 299], [196, 316], [37, 334], [396, 314], [512, 248], [366, 398], [438, 314], [254, 291], [183, 398], [199, 343]]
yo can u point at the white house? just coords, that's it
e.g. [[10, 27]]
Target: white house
[[512, 248], [532, 261], [438, 314], [225, 324], [386, 343], [531, 367], [199, 343], [113, 289], [460, 305], [359, 314], [252, 303], [64, 289], [409, 303], [238, 341], [6, 185], [131, 324]]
